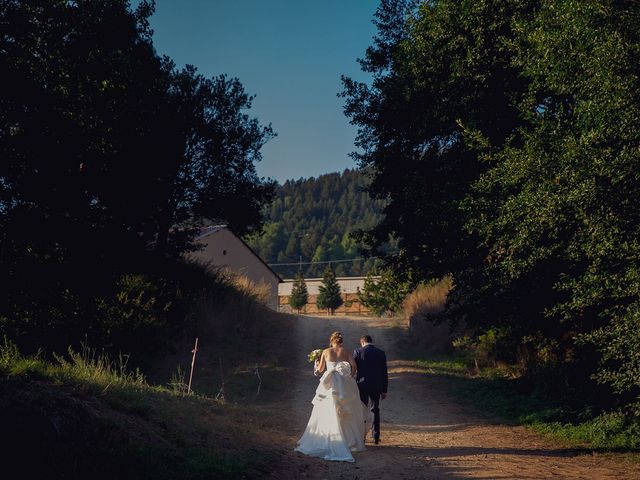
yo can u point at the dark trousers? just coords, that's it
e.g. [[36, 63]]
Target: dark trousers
[[372, 400]]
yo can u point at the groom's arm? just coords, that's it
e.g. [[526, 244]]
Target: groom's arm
[[385, 376], [356, 357]]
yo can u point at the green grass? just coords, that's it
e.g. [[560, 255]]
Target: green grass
[[444, 365], [499, 392], [86, 415]]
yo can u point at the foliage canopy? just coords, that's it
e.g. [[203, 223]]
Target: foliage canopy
[[111, 159], [505, 136]]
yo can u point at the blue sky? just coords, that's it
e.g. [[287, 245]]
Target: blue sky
[[290, 54]]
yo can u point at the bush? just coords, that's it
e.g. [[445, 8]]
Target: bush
[[386, 294], [139, 312], [482, 350]]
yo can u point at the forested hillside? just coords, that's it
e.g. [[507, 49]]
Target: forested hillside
[[312, 219]]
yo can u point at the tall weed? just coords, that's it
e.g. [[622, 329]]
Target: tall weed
[[97, 368], [427, 299], [422, 310]]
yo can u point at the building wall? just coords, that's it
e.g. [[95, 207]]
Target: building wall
[[347, 285], [223, 249]]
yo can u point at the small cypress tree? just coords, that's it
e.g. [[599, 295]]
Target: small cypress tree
[[330, 293], [299, 293]]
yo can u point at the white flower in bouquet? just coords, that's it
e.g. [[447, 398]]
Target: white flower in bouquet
[[315, 355]]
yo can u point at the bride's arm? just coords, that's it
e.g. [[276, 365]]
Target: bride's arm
[[322, 364]]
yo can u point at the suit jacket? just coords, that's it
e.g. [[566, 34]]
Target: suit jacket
[[372, 369]]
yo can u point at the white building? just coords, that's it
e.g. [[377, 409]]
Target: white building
[[347, 285], [223, 248]]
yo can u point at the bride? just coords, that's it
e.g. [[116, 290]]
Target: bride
[[336, 427]]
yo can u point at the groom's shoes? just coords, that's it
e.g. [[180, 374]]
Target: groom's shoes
[[376, 441]]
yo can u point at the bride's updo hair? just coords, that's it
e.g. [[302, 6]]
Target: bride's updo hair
[[336, 337]]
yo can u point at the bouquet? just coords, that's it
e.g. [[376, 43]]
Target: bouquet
[[315, 355]]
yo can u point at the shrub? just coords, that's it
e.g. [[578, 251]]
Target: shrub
[[386, 294]]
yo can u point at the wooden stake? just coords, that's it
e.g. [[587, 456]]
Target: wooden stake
[[257, 372], [193, 362], [220, 395]]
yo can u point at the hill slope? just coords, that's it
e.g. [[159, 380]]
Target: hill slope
[[83, 416], [87, 415]]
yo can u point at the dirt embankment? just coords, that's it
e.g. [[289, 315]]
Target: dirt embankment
[[425, 433]]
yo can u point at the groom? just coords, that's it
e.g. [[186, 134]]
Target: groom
[[372, 379]]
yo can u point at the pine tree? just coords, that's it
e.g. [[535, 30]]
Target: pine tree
[[299, 293], [330, 295]]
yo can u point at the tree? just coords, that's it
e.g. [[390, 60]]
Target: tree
[[556, 206], [107, 147], [384, 294], [217, 144], [444, 96], [330, 296], [440, 73], [505, 136], [299, 293], [83, 93]]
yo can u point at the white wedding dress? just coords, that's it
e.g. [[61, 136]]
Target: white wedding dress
[[336, 427]]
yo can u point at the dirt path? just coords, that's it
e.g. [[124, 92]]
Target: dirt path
[[425, 434]]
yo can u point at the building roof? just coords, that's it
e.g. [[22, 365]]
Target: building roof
[[206, 231]]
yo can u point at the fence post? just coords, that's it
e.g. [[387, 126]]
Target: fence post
[[193, 362]]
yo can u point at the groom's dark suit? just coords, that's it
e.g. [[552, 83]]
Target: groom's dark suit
[[372, 380]]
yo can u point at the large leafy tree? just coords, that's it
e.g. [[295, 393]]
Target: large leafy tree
[[444, 94], [440, 72], [105, 147], [504, 135], [213, 173], [78, 186], [558, 206]]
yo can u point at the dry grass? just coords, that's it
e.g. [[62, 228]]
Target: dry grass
[[242, 313], [427, 299], [237, 334], [247, 287], [420, 312]]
